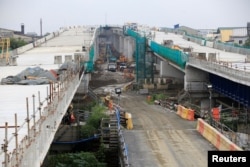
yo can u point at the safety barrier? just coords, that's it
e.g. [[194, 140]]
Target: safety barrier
[[38, 42], [185, 113], [112, 106], [123, 147], [215, 137], [117, 111], [32, 149]]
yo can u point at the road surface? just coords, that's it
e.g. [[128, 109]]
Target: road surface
[[160, 138]]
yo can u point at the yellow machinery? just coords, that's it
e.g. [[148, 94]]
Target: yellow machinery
[[123, 58], [4, 45], [176, 47]]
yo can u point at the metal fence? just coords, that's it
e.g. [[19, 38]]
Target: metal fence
[[204, 42], [227, 132], [225, 70], [42, 125], [122, 144], [231, 48]]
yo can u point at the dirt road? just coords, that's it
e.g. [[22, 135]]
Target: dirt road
[[160, 138]]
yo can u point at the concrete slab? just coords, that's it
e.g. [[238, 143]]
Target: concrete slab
[[13, 97], [179, 40]]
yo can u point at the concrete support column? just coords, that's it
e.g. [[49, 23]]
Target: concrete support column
[[195, 79], [166, 70], [128, 48], [125, 46], [96, 48], [121, 43], [117, 42], [112, 40], [131, 49]]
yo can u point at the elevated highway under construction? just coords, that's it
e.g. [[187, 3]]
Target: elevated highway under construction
[[33, 106]]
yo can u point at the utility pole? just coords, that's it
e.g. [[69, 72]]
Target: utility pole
[[209, 86], [41, 27]]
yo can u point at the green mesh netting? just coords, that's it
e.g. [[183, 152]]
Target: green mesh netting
[[174, 56], [89, 66], [144, 65], [144, 62]]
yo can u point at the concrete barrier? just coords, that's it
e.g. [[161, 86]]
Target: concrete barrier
[[38, 42], [185, 113], [25, 48], [215, 137]]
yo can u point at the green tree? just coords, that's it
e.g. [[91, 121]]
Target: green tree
[[87, 131], [97, 114], [84, 159], [101, 153], [247, 42], [16, 43], [81, 159]]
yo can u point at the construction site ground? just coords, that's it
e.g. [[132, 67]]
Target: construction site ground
[[103, 80], [159, 138]]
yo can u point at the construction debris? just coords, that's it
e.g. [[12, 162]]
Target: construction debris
[[38, 76]]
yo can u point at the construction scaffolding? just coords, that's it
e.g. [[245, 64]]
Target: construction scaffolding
[[4, 46], [144, 61]]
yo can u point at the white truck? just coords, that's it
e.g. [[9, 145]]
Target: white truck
[[112, 67]]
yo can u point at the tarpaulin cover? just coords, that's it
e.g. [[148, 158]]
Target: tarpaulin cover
[[30, 76]]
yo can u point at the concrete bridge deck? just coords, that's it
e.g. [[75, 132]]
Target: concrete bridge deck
[[234, 59], [14, 97]]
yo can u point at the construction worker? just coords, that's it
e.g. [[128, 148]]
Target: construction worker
[[110, 105], [72, 118]]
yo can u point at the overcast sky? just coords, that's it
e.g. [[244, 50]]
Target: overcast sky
[[199, 14]]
